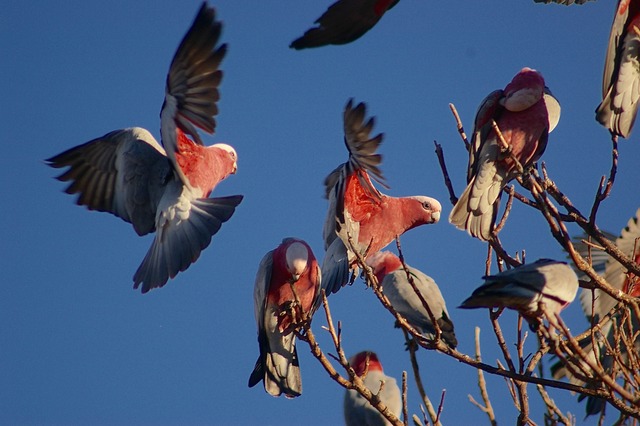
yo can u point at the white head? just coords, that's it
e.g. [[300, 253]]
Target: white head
[[430, 205], [297, 257], [232, 153]]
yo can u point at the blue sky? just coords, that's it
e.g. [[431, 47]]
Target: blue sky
[[79, 346]]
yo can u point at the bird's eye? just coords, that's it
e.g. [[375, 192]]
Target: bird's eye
[[426, 205]]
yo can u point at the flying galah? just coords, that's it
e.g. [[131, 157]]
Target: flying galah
[[357, 410], [621, 79], [563, 2], [543, 287], [599, 304], [388, 269], [358, 209], [343, 22], [525, 116], [286, 290], [127, 173]]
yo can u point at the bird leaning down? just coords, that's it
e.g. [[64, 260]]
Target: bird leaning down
[[597, 305], [525, 112], [388, 269], [536, 290], [621, 78], [357, 410], [358, 210], [343, 22], [286, 291], [165, 189]]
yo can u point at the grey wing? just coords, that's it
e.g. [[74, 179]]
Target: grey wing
[[336, 267], [261, 288], [362, 157], [194, 75], [553, 108], [489, 109], [180, 239], [123, 172], [612, 62], [615, 274], [361, 146]]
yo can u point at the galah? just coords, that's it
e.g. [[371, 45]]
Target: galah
[[541, 288], [164, 188], [563, 2], [358, 210], [596, 304], [621, 79], [357, 410], [388, 269], [343, 22], [286, 291], [524, 116]]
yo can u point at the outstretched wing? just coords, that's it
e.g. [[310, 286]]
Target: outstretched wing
[[191, 93], [363, 161], [123, 172], [183, 232]]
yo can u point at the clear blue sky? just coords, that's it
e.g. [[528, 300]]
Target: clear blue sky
[[79, 346]]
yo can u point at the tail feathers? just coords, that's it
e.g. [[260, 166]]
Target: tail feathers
[[477, 222], [178, 244], [278, 366], [446, 331], [448, 335]]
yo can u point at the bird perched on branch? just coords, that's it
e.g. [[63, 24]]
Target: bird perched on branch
[[525, 116], [285, 294], [621, 79], [343, 22], [165, 189], [388, 269], [358, 210], [598, 305], [357, 410], [541, 288]]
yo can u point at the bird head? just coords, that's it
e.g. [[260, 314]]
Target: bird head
[[429, 209], [297, 259], [233, 156], [365, 361], [524, 91]]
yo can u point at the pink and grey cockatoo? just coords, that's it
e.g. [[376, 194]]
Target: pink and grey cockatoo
[[358, 209], [541, 288], [563, 2], [357, 410], [164, 188], [286, 290], [388, 269], [343, 22], [525, 116], [621, 79], [597, 304]]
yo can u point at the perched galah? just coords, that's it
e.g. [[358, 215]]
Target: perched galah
[[127, 173], [521, 112], [388, 269], [357, 209], [286, 291], [621, 79], [357, 410], [541, 288], [596, 304], [343, 22]]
